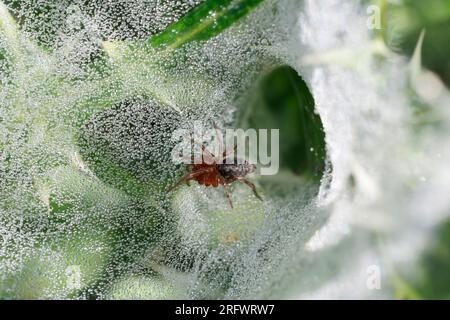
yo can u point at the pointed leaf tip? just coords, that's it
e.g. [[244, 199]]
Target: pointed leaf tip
[[416, 60]]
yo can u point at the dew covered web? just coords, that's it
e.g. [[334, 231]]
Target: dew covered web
[[85, 127]]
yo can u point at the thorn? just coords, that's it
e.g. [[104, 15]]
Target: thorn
[[415, 64]]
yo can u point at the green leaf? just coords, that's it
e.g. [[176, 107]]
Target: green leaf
[[143, 123], [409, 18], [416, 60], [8, 26], [435, 278], [143, 288], [58, 269], [283, 101], [204, 22]]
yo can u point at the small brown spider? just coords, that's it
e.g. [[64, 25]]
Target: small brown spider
[[214, 173]]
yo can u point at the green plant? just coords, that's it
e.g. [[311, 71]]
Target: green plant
[[86, 122]]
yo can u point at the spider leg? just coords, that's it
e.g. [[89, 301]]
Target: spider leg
[[190, 167], [251, 186], [188, 176], [219, 138], [228, 151], [227, 191], [209, 156], [225, 152]]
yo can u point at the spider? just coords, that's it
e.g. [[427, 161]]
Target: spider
[[214, 173]]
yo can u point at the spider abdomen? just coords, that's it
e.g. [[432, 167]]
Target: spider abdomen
[[210, 177], [232, 171]]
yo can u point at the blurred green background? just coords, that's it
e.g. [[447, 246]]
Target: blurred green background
[[404, 23], [406, 20]]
